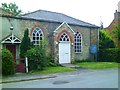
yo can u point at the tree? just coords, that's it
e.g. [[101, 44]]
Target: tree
[[105, 40], [25, 44], [11, 7], [117, 31]]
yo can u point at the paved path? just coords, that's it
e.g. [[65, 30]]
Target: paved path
[[107, 78]]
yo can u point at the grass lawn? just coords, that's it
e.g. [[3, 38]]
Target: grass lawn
[[57, 69], [97, 65]]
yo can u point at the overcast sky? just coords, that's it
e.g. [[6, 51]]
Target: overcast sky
[[91, 11]]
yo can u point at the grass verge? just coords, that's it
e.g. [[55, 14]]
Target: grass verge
[[57, 69], [97, 65]]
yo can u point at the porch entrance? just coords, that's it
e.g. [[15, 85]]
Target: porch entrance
[[12, 43], [12, 49]]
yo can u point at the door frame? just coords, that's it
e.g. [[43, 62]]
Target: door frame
[[69, 56], [14, 56]]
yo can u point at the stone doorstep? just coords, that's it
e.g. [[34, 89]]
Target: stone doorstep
[[70, 65]]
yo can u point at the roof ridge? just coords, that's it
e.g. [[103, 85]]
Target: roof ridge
[[64, 15], [29, 13], [41, 10]]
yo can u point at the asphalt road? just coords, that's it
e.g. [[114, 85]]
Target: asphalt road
[[89, 79]]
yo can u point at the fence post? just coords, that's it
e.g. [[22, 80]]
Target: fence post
[[26, 64]]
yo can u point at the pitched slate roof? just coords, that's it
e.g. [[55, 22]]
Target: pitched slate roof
[[56, 17]]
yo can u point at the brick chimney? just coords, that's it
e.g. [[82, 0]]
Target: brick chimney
[[117, 12]]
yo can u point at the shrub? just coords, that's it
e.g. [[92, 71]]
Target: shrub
[[50, 61], [110, 55], [37, 58], [117, 31], [8, 64], [106, 40]]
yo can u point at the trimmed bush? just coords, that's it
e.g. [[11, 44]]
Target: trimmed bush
[[37, 58], [110, 55], [8, 63], [106, 40]]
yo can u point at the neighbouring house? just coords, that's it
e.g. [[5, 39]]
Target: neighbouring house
[[69, 38], [113, 24], [4, 12]]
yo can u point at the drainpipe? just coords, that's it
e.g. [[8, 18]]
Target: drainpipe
[[98, 45], [90, 46], [98, 38]]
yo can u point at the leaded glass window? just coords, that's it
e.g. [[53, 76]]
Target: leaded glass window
[[64, 37], [78, 42], [37, 36]]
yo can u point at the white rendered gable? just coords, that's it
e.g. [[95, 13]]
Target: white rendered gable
[[11, 39], [62, 25]]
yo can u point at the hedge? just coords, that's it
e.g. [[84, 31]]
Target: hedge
[[110, 55]]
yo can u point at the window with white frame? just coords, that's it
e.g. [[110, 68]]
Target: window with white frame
[[37, 36], [64, 37], [78, 42]]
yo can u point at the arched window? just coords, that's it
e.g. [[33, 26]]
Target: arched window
[[78, 42], [64, 37], [37, 36]]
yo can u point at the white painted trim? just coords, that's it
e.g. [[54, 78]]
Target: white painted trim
[[70, 27], [65, 37], [39, 35], [59, 27], [62, 25], [62, 53], [11, 40], [81, 43]]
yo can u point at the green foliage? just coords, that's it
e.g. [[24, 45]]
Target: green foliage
[[37, 58], [117, 31], [50, 61], [49, 56], [81, 60], [110, 55], [56, 69], [105, 40], [43, 43], [25, 44], [97, 65], [11, 7], [8, 64]]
